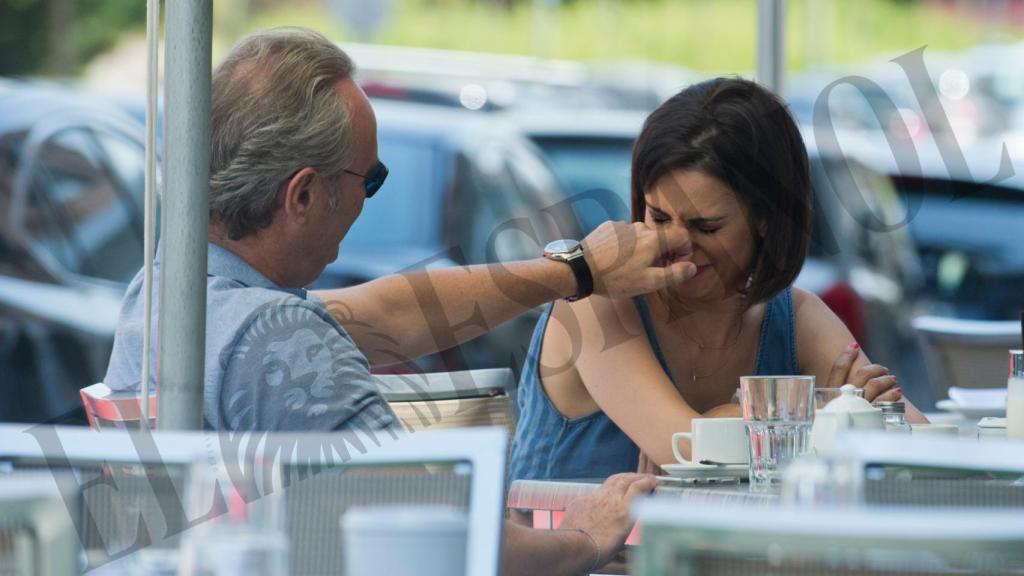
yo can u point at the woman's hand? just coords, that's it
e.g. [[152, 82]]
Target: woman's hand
[[874, 379]]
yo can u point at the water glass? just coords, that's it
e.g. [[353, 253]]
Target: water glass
[[243, 527], [1015, 396], [778, 411]]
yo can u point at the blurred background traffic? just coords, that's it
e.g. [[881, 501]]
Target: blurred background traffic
[[508, 123]]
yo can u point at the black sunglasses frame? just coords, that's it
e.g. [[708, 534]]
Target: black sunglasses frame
[[373, 181]]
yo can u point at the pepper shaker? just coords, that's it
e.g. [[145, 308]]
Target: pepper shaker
[[1015, 396]]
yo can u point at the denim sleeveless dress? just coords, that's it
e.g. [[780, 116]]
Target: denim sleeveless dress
[[547, 445]]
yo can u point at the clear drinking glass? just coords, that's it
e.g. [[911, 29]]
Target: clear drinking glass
[[243, 530], [822, 396], [778, 411], [1015, 396]]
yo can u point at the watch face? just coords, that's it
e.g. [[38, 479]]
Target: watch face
[[561, 246]]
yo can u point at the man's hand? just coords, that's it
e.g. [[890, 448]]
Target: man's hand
[[631, 259], [605, 514]]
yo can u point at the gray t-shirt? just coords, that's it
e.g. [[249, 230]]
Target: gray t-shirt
[[275, 358]]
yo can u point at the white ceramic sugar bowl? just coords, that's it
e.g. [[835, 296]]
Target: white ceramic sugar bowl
[[848, 411]]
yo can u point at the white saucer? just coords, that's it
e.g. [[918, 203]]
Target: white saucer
[[705, 473], [948, 405]]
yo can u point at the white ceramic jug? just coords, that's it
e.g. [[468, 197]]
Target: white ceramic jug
[[845, 412]]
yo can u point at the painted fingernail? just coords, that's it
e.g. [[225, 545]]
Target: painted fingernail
[[854, 346], [899, 390]]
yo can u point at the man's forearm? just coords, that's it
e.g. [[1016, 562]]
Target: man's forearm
[[527, 551], [401, 317]]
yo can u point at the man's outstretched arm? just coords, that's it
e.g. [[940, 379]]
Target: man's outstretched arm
[[404, 316]]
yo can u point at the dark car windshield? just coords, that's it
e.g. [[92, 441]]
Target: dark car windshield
[[979, 218], [968, 235]]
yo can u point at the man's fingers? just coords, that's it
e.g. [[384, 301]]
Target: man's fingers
[[619, 483], [668, 276], [643, 485], [674, 239], [841, 369]]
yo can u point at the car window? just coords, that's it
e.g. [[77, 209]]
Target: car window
[[404, 211], [976, 218], [585, 165], [9, 143], [13, 259], [824, 242], [505, 202], [83, 213]]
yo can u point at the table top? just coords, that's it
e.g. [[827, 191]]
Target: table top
[[558, 494]]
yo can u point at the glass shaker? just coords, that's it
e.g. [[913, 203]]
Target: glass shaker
[[895, 416], [1015, 396]]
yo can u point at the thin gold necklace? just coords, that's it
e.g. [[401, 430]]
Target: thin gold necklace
[[701, 347]]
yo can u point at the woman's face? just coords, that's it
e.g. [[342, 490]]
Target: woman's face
[[719, 227]]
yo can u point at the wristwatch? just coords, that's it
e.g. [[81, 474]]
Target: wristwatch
[[571, 252]]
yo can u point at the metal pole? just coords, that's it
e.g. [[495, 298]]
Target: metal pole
[[771, 40], [185, 214], [149, 228]]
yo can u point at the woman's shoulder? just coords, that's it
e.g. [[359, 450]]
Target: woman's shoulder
[[818, 329], [807, 305]]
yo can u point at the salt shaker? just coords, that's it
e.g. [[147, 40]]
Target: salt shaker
[[1015, 396], [894, 415]]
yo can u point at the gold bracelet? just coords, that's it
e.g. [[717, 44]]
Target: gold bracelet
[[597, 547]]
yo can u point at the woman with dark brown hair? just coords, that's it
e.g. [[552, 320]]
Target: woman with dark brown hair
[[607, 380]]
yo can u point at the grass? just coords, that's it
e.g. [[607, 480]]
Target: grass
[[707, 35]]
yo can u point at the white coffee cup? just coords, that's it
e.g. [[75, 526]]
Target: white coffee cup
[[721, 440], [425, 540]]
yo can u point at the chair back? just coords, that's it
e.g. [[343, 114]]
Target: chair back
[[932, 470], [127, 484], [106, 408], [132, 483], [37, 534], [443, 400], [683, 538], [966, 353]]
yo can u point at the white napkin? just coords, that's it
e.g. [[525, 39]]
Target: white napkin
[[979, 398]]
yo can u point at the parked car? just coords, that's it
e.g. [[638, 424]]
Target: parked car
[[465, 188], [522, 82], [967, 225], [71, 196], [869, 278]]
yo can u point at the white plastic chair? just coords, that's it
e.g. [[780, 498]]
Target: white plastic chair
[[683, 538], [37, 534], [129, 478]]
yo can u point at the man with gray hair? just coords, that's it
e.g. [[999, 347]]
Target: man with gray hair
[[293, 157]]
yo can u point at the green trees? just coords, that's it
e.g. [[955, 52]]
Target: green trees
[[57, 36]]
